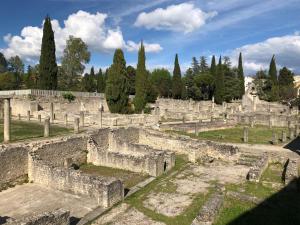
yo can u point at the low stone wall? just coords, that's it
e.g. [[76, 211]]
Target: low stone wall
[[291, 171], [56, 151], [259, 167], [105, 190], [14, 167], [57, 217]]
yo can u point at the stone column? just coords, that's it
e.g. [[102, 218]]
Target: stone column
[[183, 119], [246, 134], [40, 118], [196, 129], [101, 118], [213, 103], [274, 138], [76, 125], [254, 104], [6, 120], [283, 136], [19, 116], [47, 127], [66, 119], [270, 122], [28, 115], [252, 121], [291, 135], [81, 118], [296, 130], [289, 124], [51, 112]]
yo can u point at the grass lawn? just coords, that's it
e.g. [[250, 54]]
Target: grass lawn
[[257, 134], [129, 178], [21, 130]]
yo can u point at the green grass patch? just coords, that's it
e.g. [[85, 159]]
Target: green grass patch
[[257, 134], [273, 173], [21, 130], [129, 178]]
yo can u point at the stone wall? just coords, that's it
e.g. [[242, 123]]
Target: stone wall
[[291, 171], [105, 190], [57, 217], [56, 151], [258, 168], [14, 167]]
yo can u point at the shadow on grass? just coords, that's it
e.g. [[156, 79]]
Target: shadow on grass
[[294, 145], [282, 208]]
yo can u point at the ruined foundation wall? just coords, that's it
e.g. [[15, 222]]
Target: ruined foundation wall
[[105, 190], [57, 217], [13, 165], [57, 151]]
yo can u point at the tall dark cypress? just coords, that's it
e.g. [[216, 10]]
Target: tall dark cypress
[[219, 83], [176, 80], [3, 63], [273, 71], [241, 76], [141, 82], [48, 67], [213, 66]]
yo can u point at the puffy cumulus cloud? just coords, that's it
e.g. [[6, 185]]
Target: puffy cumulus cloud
[[184, 18], [257, 56], [89, 27], [132, 46]]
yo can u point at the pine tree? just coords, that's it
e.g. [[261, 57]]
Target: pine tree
[[273, 71], [203, 64], [88, 81], [176, 81], [116, 93], [141, 81], [48, 67], [195, 66], [241, 76], [219, 82]]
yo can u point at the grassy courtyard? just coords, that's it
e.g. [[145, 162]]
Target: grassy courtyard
[[257, 134], [21, 130]]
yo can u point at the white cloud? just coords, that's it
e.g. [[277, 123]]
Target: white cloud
[[132, 46], [89, 27], [257, 56], [184, 18]]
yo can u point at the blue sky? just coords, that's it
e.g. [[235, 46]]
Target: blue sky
[[190, 28]]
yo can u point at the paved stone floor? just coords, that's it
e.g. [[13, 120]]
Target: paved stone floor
[[28, 199]]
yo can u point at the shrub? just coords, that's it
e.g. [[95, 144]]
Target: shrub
[[69, 96]]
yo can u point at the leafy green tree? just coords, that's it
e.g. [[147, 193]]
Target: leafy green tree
[[131, 74], [205, 83], [219, 83], [203, 64], [3, 63], [48, 67], [8, 81], [241, 76], [141, 82], [100, 82], [176, 80], [89, 81], [16, 66], [75, 55], [286, 84], [31, 78], [116, 92], [161, 80]]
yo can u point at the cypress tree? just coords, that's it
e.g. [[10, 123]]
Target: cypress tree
[[3, 63], [141, 82], [219, 82], [48, 67], [176, 80], [203, 64], [116, 93], [213, 67], [100, 82], [241, 76], [273, 71]]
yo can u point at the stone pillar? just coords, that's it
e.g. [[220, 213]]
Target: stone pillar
[[81, 118], [246, 134], [274, 138], [51, 112], [6, 120], [252, 121], [101, 118], [213, 103], [296, 130], [76, 125], [183, 119], [28, 115], [196, 129], [66, 119], [289, 124], [254, 104], [283, 136], [291, 135], [47, 127], [270, 122], [19, 116], [40, 118]]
